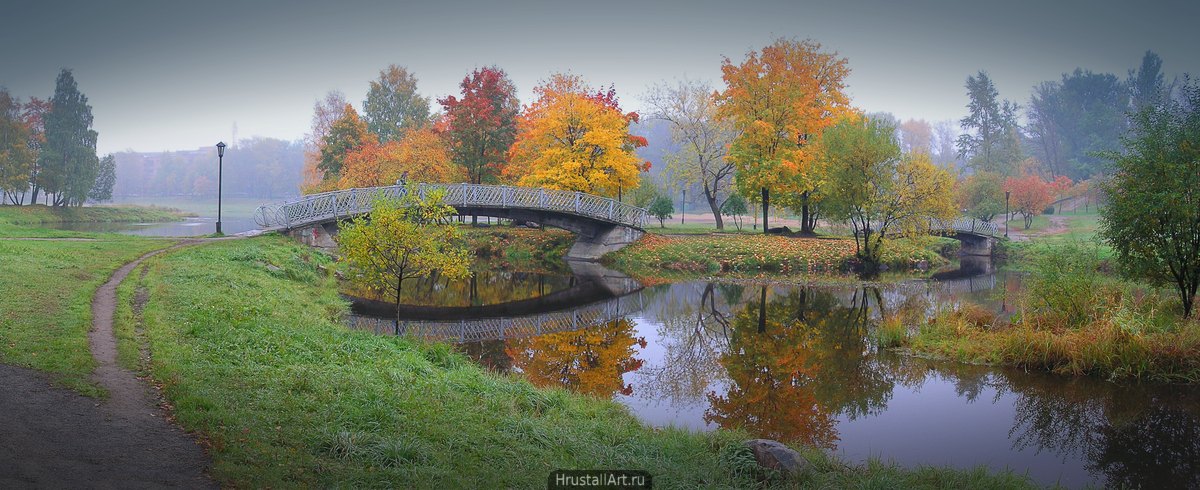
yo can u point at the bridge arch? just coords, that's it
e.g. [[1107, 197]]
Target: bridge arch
[[600, 224]]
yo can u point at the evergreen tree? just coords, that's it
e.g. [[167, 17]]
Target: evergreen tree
[[991, 139], [68, 160], [1147, 85], [393, 106], [347, 134]]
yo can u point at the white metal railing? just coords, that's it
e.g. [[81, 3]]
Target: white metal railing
[[326, 206], [966, 225], [477, 329]]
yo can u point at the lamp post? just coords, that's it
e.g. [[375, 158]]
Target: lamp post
[[1006, 215], [220, 159]]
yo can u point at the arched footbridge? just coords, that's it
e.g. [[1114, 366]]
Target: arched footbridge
[[977, 237], [600, 224]]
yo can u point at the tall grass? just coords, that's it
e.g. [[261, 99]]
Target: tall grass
[[1072, 319]]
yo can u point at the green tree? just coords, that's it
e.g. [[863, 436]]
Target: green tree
[[1152, 219], [68, 162], [403, 239], [106, 177], [347, 134], [982, 195], [646, 191], [393, 106], [1073, 119], [661, 208], [991, 141], [878, 189], [1147, 86], [701, 138], [16, 157], [735, 207]]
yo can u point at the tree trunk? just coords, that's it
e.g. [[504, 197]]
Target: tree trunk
[[399, 286], [806, 226], [711, 196], [35, 193], [766, 201]]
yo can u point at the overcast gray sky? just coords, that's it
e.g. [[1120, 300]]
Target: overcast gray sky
[[165, 75]]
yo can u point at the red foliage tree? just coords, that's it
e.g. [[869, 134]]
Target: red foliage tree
[[482, 125], [1030, 195]]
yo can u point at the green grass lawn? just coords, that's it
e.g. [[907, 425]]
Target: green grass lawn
[[45, 300], [1040, 222], [247, 343]]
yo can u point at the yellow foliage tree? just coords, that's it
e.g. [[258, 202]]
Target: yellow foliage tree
[[422, 154], [780, 99], [401, 240], [878, 189], [576, 141]]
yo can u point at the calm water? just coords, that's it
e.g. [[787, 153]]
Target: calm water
[[188, 227], [798, 363]]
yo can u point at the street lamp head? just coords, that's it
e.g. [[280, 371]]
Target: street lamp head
[[221, 149], [1006, 193]]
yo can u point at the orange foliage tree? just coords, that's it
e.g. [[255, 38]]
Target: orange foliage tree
[[1030, 196], [575, 139], [422, 154], [780, 99], [346, 135]]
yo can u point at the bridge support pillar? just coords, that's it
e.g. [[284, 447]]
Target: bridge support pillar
[[981, 246], [319, 235], [590, 247]]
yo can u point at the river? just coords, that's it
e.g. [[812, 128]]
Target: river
[[799, 363]]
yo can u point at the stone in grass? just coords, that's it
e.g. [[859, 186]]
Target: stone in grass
[[776, 456]]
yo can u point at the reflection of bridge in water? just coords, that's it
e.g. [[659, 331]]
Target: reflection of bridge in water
[[477, 329], [599, 297]]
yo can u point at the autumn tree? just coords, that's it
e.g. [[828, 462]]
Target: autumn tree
[[347, 134], [575, 139], [778, 99], [482, 125], [421, 154], [401, 240], [1152, 219], [393, 106], [991, 142], [879, 189], [325, 112], [982, 195], [68, 162], [1030, 195], [16, 156], [916, 136], [702, 139]]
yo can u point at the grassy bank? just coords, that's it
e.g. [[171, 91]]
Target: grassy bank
[[656, 256], [45, 301], [525, 249], [39, 214], [1071, 319], [246, 342]]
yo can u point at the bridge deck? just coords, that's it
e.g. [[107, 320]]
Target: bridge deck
[[343, 204]]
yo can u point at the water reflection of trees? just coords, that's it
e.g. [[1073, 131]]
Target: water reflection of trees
[[795, 363], [1136, 436], [592, 361], [482, 288]]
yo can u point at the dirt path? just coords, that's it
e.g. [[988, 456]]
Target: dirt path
[[52, 437]]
